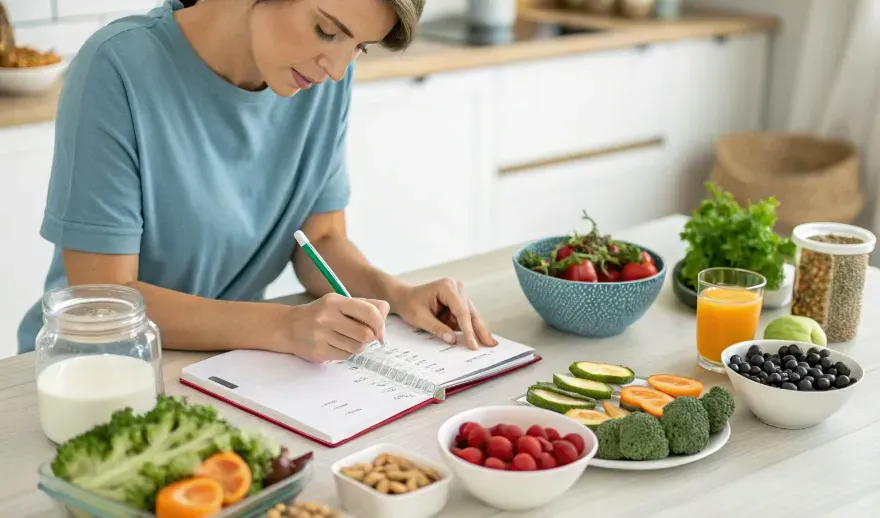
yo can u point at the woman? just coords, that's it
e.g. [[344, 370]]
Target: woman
[[192, 142]]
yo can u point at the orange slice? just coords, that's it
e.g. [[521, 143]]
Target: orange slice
[[197, 497], [676, 386], [231, 471]]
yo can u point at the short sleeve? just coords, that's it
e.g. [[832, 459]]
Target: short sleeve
[[94, 197], [337, 190]]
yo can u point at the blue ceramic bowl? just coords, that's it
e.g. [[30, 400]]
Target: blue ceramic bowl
[[591, 309]]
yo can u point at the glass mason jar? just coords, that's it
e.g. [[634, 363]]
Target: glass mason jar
[[96, 353]]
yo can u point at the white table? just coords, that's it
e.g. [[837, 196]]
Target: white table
[[830, 470]]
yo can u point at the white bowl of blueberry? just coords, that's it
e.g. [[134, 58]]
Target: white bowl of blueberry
[[791, 385]]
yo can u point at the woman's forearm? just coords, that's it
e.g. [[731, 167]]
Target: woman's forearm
[[190, 322]]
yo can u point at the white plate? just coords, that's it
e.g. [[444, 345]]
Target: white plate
[[716, 441]]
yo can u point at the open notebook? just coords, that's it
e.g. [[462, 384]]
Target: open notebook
[[335, 402]]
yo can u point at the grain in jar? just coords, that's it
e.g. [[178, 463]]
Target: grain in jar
[[832, 260]]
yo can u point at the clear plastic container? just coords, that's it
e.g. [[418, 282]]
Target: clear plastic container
[[76, 502], [832, 261], [96, 353]]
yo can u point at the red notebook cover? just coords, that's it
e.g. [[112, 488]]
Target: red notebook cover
[[449, 392]]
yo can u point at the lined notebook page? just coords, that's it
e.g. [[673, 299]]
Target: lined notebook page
[[331, 401], [437, 361]]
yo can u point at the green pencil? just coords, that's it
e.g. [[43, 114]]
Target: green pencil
[[320, 264]]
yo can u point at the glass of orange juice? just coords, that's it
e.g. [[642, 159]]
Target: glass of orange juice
[[728, 308]]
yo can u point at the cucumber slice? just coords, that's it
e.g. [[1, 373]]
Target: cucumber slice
[[589, 418], [604, 372], [549, 400], [615, 412], [552, 387], [594, 389]]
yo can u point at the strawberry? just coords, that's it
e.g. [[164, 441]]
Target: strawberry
[[523, 462], [564, 452], [546, 461], [530, 445], [495, 463], [473, 455], [577, 441], [536, 431], [500, 447]]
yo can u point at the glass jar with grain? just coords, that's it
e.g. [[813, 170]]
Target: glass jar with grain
[[832, 261]]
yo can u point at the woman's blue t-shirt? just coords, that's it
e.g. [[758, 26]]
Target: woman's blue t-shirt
[[157, 155]]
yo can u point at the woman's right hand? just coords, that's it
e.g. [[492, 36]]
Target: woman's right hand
[[334, 327]]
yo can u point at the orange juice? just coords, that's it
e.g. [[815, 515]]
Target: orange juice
[[725, 316]]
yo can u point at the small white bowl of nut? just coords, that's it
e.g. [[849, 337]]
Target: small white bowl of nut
[[387, 481]]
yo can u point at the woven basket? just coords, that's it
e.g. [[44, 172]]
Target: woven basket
[[814, 179]]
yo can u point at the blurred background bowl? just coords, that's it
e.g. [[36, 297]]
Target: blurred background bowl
[[30, 80], [590, 309]]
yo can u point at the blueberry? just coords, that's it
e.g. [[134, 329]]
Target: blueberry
[[756, 379], [763, 375], [823, 384], [813, 350], [824, 353], [831, 371], [805, 385], [794, 350], [810, 379], [788, 357], [842, 368], [814, 372], [757, 359], [826, 363], [754, 370], [769, 367], [852, 381], [803, 363], [754, 350], [783, 350], [734, 367], [789, 386], [736, 359], [791, 364], [842, 381], [801, 371], [813, 359], [794, 378], [831, 378], [774, 379]]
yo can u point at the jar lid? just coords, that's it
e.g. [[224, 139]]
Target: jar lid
[[802, 233]]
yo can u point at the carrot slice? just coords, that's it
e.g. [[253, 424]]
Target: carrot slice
[[196, 497], [643, 398], [676, 386], [231, 471]]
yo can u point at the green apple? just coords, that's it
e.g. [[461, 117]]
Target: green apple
[[796, 329]]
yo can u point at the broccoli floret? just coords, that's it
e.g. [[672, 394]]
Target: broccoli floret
[[719, 404], [608, 434], [686, 425], [642, 437], [132, 457]]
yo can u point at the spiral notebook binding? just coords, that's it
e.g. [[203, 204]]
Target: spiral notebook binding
[[374, 360]]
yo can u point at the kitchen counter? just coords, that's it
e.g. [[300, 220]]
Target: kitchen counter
[[428, 56], [816, 461]]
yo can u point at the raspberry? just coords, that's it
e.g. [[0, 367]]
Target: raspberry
[[546, 461], [564, 452], [530, 445], [577, 441], [523, 462], [473, 455], [500, 447], [495, 463], [477, 436], [512, 432], [536, 431], [545, 444]]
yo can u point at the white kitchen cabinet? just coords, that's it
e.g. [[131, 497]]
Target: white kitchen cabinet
[[25, 162], [567, 106], [618, 189], [712, 87], [420, 165]]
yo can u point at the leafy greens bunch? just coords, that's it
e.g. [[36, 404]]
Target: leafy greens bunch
[[721, 233], [132, 457]]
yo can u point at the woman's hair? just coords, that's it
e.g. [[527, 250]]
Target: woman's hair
[[404, 32]]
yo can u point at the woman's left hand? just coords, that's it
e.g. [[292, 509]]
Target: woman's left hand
[[441, 308]]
